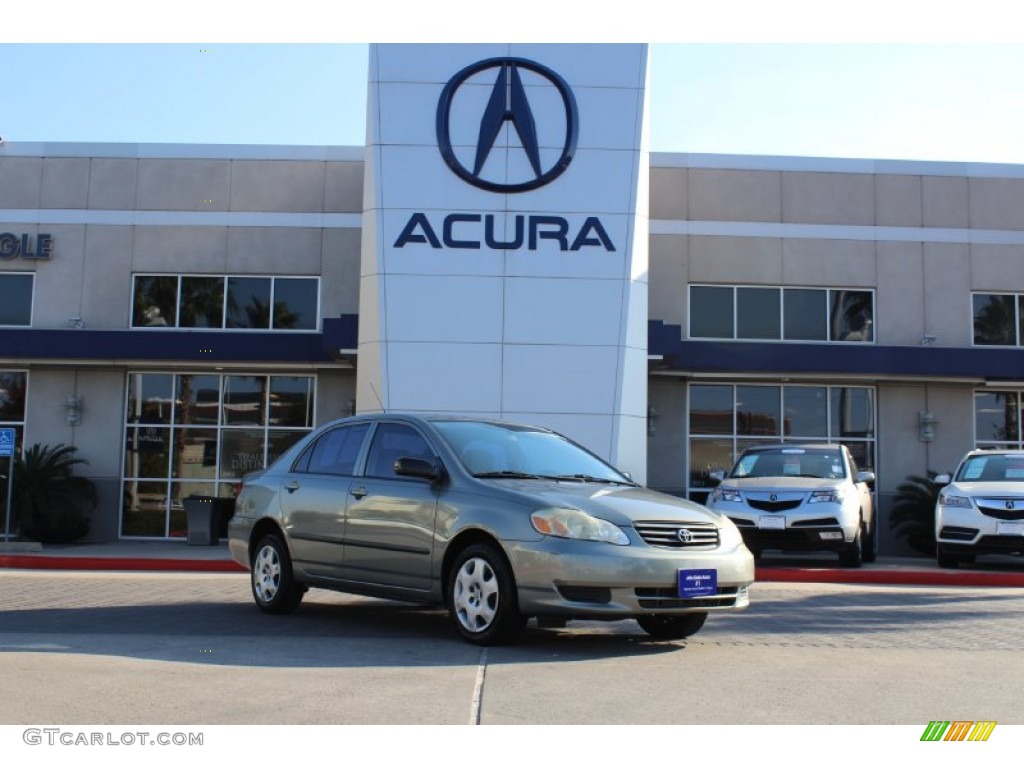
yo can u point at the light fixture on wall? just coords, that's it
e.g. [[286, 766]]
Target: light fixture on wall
[[928, 339], [73, 408], [926, 422], [652, 418]]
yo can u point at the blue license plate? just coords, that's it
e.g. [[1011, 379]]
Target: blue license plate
[[698, 582]]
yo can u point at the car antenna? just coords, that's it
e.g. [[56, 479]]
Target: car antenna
[[374, 390]]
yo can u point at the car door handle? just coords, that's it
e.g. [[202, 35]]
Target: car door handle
[[358, 492], [292, 487]]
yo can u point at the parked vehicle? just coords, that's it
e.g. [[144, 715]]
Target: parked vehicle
[[801, 498], [500, 522], [981, 508]]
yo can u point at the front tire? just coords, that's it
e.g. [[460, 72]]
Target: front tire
[[946, 558], [672, 627], [273, 583], [870, 551], [482, 599], [852, 555]]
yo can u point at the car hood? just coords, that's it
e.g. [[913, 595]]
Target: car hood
[[777, 484], [622, 505], [1001, 490]]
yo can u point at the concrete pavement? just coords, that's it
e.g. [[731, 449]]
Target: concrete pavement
[[990, 571]]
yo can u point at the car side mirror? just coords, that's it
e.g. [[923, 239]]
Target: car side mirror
[[717, 475], [943, 479], [866, 477], [421, 468]]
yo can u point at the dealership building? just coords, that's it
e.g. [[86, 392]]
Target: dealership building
[[504, 245]]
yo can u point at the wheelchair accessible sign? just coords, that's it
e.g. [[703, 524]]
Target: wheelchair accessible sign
[[6, 442], [7, 450]]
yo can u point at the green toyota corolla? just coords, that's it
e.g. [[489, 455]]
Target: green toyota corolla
[[499, 522]]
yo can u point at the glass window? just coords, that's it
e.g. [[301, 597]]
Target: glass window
[[156, 301], [248, 302], [851, 316], [336, 452], [147, 451], [996, 417], [853, 412], [12, 396], [241, 451], [198, 399], [711, 312], [202, 302], [195, 454], [804, 312], [16, 299], [392, 442], [245, 400], [757, 313], [711, 408], [150, 398], [758, 411], [295, 303], [806, 412], [708, 455], [995, 321], [291, 401]]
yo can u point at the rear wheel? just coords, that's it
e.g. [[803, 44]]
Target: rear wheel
[[482, 598], [672, 627], [273, 584]]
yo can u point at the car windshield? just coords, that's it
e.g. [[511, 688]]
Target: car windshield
[[489, 449], [790, 462], [996, 468]]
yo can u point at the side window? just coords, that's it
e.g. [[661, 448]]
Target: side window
[[395, 441], [334, 453]]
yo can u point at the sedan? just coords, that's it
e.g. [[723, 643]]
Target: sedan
[[801, 498], [498, 522]]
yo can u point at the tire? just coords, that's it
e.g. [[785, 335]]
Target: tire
[[672, 627], [869, 552], [946, 558], [273, 583], [482, 599], [852, 554]]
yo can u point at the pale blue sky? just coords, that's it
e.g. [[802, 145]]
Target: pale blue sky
[[916, 101]]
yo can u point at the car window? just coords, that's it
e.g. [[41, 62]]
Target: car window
[[335, 452], [392, 442], [992, 469], [790, 462]]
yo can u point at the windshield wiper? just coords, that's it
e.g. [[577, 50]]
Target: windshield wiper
[[591, 479], [510, 474]]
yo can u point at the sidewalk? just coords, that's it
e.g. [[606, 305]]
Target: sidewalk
[[178, 556]]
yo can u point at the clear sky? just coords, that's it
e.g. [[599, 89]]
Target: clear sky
[[766, 91]]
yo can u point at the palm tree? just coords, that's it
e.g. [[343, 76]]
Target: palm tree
[[913, 515], [51, 504]]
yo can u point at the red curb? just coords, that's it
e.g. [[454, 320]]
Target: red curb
[[43, 562], [912, 578]]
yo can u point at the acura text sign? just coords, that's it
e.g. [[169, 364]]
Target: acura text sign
[[505, 238]]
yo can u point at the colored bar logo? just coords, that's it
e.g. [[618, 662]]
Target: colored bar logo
[[958, 730]]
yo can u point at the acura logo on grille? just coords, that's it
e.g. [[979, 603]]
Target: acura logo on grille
[[774, 497], [508, 103], [684, 535], [1009, 504]]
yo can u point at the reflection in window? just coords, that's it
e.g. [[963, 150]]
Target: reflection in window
[[156, 301], [757, 313], [202, 302], [851, 316], [295, 303], [16, 299], [757, 411], [248, 302], [710, 312], [995, 321], [711, 410], [805, 317], [997, 418], [245, 400], [806, 411]]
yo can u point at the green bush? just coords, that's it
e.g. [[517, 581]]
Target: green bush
[[913, 515], [51, 504]]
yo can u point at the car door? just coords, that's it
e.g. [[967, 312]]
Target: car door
[[389, 536], [314, 496]]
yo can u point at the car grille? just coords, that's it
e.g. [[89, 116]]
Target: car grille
[[678, 535], [1000, 512], [663, 598], [773, 506]]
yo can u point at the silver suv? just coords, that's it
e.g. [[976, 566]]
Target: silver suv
[[981, 509], [803, 498]]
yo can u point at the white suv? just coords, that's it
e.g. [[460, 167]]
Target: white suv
[[803, 498], [981, 510]]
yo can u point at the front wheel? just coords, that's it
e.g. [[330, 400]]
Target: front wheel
[[946, 558], [482, 598], [870, 552], [851, 555], [672, 627], [273, 584]]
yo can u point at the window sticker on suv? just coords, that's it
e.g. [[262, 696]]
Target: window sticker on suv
[[974, 469]]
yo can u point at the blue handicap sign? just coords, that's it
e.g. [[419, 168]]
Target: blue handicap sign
[[7, 442]]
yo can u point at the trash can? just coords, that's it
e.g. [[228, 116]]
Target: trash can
[[200, 512]]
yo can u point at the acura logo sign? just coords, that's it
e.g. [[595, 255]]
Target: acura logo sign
[[508, 103]]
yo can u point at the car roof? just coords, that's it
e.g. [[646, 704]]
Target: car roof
[[804, 446]]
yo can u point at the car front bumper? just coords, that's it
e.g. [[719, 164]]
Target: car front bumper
[[964, 531], [587, 579]]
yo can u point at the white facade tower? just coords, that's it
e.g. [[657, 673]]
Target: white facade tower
[[504, 254]]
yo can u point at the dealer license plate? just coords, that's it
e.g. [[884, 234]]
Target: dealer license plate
[[698, 582], [1010, 529], [772, 522]]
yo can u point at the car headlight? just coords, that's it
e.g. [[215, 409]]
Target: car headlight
[[835, 496], [568, 523], [729, 535], [949, 500], [724, 494]]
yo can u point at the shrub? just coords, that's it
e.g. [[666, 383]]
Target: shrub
[[51, 504], [913, 515]]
